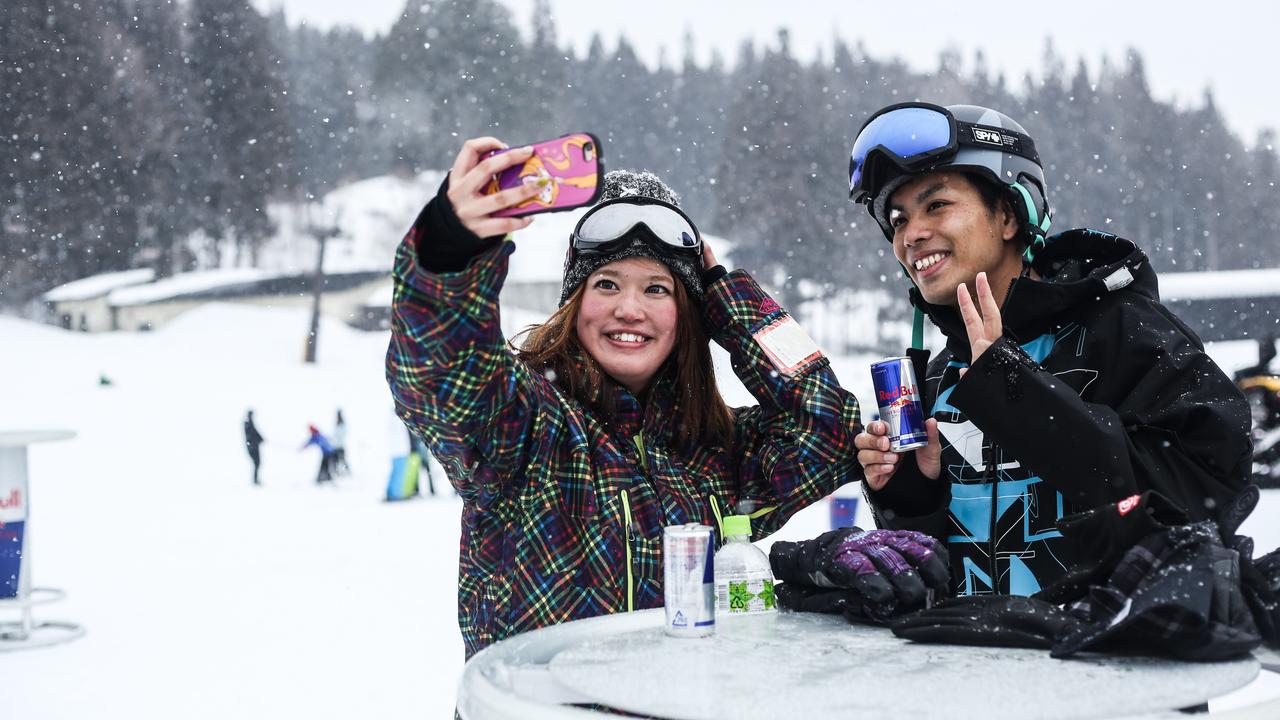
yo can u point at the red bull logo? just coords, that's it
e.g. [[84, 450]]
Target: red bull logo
[[13, 501], [898, 398]]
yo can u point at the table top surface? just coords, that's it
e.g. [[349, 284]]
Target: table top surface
[[816, 666], [20, 438]]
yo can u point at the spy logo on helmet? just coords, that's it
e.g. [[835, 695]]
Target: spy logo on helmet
[[991, 137]]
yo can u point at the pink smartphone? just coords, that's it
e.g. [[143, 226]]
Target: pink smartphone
[[571, 164]]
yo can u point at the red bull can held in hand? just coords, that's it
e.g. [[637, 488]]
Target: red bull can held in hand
[[688, 580], [898, 397]]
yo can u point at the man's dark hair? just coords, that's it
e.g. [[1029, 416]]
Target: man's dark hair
[[990, 192]]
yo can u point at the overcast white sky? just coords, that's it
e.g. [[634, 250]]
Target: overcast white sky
[[1229, 45]]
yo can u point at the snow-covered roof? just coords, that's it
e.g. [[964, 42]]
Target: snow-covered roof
[[1220, 284], [98, 285], [186, 284]]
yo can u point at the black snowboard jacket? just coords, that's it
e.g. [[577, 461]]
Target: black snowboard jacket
[[1095, 392]]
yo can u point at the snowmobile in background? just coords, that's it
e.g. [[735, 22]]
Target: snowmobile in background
[[1261, 387]]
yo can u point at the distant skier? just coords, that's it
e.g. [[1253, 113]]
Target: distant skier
[[252, 441], [339, 442], [318, 439]]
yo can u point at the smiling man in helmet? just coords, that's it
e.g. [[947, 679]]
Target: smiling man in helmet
[[1064, 384]]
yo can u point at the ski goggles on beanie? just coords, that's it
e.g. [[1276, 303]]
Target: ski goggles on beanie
[[611, 225], [634, 226], [915, 137]]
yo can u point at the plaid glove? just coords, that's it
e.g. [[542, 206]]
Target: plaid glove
[[1176, 593], [890, 571]]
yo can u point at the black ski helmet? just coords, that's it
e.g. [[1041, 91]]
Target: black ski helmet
[[906, 140]]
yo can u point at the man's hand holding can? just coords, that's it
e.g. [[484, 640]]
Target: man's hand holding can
[[879, 462]]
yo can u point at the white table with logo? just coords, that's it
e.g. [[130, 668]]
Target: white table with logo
[[809, 666], [16, 592]]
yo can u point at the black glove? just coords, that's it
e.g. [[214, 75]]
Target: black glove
[[1259, 579], [809, 598], [1098, 538], [891, 571], [990, 620], [1177, 592], [1262, 592]]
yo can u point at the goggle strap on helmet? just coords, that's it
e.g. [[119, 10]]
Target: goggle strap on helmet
[[1036, 227], [1028, 204]]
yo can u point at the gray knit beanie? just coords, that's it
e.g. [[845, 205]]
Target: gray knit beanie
[[620, 184]]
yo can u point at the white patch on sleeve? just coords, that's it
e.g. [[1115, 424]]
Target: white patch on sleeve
[[1118, 279], [788, 347]]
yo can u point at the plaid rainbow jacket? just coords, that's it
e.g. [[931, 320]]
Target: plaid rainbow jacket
[[563, 510]]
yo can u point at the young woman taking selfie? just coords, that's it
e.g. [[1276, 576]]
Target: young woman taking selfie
[[573, 452]]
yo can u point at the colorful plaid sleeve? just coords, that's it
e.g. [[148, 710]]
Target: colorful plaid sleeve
[[796, 446], [451, 374]]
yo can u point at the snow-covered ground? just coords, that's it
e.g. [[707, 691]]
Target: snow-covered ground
[[205, 597]]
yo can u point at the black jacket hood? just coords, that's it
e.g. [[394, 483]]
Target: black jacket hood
[[1075, 267]]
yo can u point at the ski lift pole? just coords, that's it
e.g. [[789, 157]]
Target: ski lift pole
[[322, 235]]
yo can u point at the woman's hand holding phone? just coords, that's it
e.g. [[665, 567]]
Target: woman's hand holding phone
[[708, 258], [565, 169], [472, 171]]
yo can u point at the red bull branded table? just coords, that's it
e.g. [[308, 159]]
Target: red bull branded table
[[18, 628], [804, 665]]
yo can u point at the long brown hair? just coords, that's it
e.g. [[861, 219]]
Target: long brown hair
[[702, 415]]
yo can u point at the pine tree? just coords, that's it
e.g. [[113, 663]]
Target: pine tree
[[448, 71], [58, 203], [245, 124], [324, 84], [166, 206]]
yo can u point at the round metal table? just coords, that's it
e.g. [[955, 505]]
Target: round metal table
[[814, 666], [16, 592]]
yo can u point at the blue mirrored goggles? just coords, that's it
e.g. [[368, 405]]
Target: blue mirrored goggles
[[912, 136], [611, 225]]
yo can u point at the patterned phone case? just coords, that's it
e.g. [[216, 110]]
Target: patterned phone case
[[573, 167]]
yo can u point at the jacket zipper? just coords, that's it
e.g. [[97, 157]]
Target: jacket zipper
[[715, 510], [626, 515], [638, 439], [992, 477]]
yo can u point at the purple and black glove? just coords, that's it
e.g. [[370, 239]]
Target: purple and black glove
[[888, 572]]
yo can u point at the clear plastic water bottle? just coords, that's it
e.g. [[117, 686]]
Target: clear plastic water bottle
[[744, 582]]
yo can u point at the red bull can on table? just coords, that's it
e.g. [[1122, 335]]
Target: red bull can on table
[[898, 397], [688, 580]]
